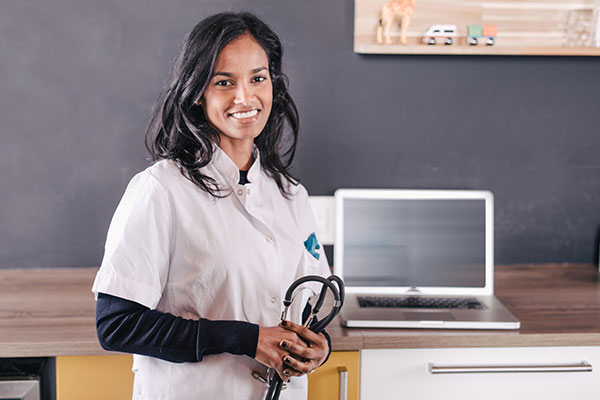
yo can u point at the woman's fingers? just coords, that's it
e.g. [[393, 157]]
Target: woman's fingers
[[300, 349], [312, 348], [302, 331], [313, 340], [292, 372], [270, 353], [302, 367], [290, 349]]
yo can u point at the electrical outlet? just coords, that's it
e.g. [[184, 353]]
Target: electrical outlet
[[323, 208]]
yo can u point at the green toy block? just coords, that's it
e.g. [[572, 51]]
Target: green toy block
[[474, 31]]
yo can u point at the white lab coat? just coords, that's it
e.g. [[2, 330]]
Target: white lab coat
[[175, 248]]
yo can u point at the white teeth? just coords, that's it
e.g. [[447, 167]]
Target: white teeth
[[248, 114]]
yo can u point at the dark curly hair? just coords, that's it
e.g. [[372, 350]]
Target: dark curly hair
[[179, 129]]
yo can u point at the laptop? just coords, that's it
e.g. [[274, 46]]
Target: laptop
[[418, 259]]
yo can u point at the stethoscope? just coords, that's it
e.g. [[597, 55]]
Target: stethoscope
[[276, 384]]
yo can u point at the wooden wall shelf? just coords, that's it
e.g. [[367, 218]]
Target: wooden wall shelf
[[532, 27]]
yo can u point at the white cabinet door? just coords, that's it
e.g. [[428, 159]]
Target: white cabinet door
[[406, 374]]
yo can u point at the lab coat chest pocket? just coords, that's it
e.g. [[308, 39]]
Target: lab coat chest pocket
[[311, 264]]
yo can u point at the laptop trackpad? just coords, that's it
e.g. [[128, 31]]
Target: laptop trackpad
[[427, 316]]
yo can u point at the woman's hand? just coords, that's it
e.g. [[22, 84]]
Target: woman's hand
[[307, 353], [269, 350]]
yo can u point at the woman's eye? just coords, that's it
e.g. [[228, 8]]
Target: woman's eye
[[260, 78], [222, 83]]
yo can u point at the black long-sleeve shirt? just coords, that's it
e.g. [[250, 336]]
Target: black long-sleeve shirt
[[130, 327]]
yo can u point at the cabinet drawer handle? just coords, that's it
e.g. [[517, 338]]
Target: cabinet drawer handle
[[470, 369], [343, 383]]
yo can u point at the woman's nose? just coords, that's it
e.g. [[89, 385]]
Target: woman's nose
[[243, 94]]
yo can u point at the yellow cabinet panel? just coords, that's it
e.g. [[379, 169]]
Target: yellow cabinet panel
[[324, 384], [94, 377], [110, 377]]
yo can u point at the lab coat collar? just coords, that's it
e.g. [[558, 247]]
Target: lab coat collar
[[254, 171], [230, 171]]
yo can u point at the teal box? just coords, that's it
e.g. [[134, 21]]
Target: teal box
[[474, 30]]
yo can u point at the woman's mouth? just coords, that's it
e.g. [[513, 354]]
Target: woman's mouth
[[245, 114]]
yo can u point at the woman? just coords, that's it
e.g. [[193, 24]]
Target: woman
[[205, 242]]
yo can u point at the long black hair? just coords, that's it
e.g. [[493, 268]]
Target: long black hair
[[179, 129]]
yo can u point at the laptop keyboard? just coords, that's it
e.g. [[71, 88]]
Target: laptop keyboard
[[418, 302]]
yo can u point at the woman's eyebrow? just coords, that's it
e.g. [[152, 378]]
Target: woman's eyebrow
[[229, 74]]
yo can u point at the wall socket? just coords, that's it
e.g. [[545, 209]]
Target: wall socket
[[323, 208]]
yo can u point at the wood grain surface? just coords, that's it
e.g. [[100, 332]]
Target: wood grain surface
[[47, 312], [51, 312]]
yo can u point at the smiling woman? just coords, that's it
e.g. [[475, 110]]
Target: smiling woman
[[239, 96], [205, 242], [212, 71]]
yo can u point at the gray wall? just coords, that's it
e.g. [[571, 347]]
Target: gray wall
[[78, 79]]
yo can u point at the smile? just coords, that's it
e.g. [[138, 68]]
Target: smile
[[243, 115]]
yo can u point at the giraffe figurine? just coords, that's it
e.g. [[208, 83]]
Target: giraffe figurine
[[402, 8]]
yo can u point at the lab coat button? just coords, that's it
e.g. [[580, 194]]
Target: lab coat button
[[269, 239], [240, 192], [248, 192], [273, 300]]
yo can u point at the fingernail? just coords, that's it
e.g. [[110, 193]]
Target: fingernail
[[284, 323], [287, 360], [283, 344], [286, 372]]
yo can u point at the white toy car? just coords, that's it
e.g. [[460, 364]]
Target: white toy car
[[445, 32]]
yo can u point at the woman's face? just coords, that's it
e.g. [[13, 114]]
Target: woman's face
[[240, 93]]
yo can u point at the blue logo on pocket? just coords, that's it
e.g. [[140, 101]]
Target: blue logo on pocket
[[312, 245]]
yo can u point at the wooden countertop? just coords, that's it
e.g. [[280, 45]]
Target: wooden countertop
[[51, 312]]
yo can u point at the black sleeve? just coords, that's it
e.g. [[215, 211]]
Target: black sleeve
[[129, 327]]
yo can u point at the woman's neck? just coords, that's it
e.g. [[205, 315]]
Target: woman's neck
[[240, 152]]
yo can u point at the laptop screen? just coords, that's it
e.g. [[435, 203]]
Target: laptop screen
[[414, 242]]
